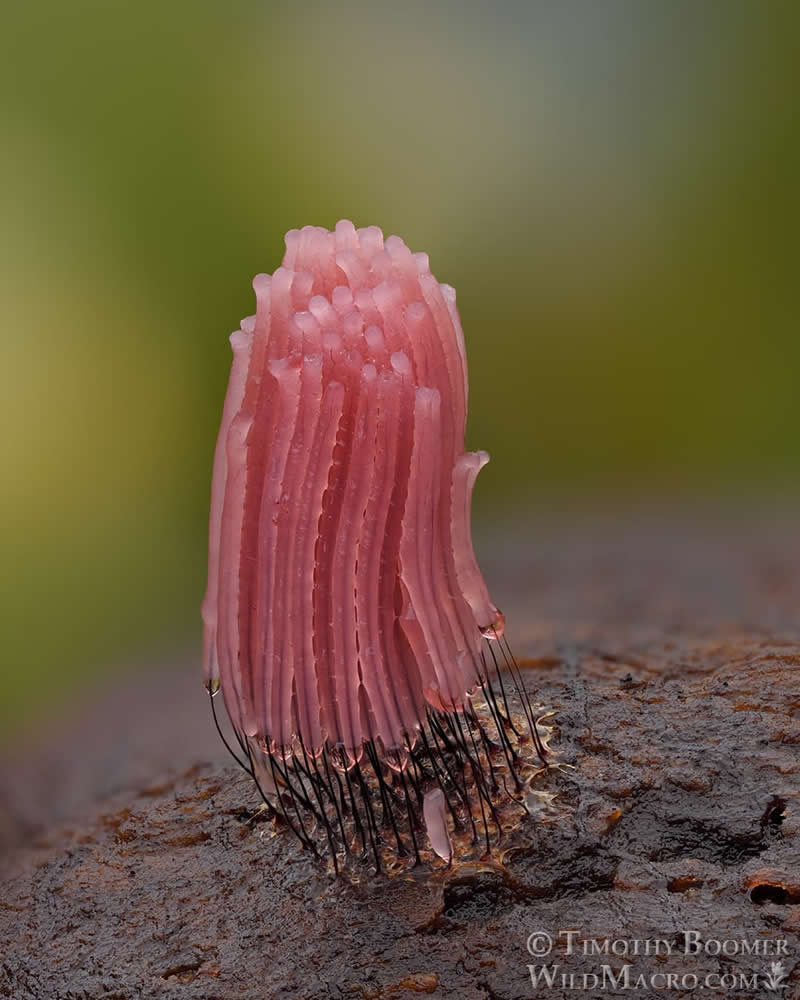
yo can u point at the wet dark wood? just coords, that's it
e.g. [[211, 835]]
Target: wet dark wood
[[671, 659]]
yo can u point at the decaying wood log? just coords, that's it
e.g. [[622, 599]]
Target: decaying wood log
[[671, 663]]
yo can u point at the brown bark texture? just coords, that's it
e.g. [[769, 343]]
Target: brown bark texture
[[669, 654]]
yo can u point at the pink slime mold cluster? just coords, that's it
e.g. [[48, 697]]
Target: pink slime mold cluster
[[345, 608]]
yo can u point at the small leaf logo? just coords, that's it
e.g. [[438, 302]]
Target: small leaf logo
[[774, 979]]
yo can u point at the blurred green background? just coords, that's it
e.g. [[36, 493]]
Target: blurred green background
[[611, 187]]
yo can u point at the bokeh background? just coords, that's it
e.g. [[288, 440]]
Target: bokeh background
[[610, 186]]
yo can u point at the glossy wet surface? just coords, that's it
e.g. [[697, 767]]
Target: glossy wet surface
[[672, 664]]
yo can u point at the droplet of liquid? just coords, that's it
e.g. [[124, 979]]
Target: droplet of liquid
[[397, 760], [344, 759], [213, 687], [435, 816], [299, 750], [496, 629]]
